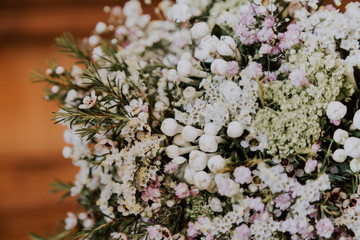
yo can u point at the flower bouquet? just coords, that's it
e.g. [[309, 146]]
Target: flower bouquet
[[220, 120]]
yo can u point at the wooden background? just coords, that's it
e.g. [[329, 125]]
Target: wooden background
[[30, 145]]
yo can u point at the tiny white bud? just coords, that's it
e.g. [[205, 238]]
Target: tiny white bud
[[59, 70], [170, 127], [199, 30], [100, 28], [235, 129], [190, 133], [216, 164], [66, 152], [336, 110], [215, 204], [198, 160], [174, 151], [209, 44], [339, 155], [48, 71], [55, 89]]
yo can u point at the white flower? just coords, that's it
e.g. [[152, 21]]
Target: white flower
[[352, 147], [70, 221], [216, 164], [298, 78], [340, 136], [356, 120], [355, 165], [199, 30], [170, 127], [215, 204], [219, 67], [59, 70], [198, 160], [235, 129], [88, 102], [174, 151], [132, 9], [180, 13], [202, 180], [336, 110], [190, 133], [178, 140], [339, 155], [227, 46]]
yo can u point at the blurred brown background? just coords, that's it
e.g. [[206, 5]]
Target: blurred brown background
[[30, 145]]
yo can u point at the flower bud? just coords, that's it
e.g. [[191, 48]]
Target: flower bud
[[340, 136], [174, 151], [178, 140], [336, 110], [211, 129], [209, 143], [189, 175], [227, 46], [202, 180], [209, 44], [199, 30], [186, 69], [198, 160], [219, 67], [355, 165], [170, 127], [66, 152], [179, 160], [216, 164], [356, 120], [100, 28], [215, 204], [352, 147], [190, 93], [339, 155], [190, 133], [235, 129]]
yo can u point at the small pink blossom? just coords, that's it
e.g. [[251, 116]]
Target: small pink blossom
[[290, 37], [265, 49], [269, 21], [152, 192], [154, 233], [242, 232], [298, 78], [283, 201], [310, 165], [144, 108], [192, 232], [195, 191], [242, 175], [232, 68], [247, 36], [324, 228], [265, 35], [336, 122], [247, 20], [316, 147], [182, 190], [253, 70], [170, 168], [270, 77]]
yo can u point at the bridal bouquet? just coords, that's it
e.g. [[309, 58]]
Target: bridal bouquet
[[226, 119]]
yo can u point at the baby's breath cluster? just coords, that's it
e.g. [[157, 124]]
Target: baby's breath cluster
[[225, 120]]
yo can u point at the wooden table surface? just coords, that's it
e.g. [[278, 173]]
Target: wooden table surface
[[30, 145]]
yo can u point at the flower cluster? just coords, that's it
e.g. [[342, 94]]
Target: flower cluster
[[224, 120]]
